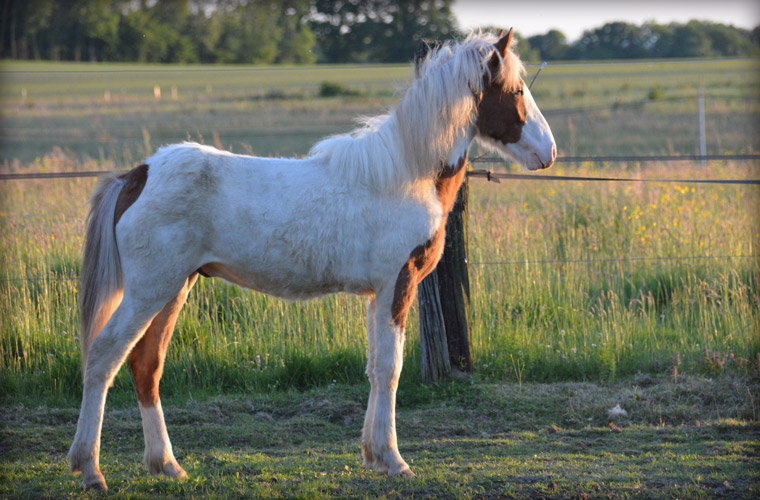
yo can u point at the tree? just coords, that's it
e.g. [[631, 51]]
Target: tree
[[690, 40], [297, 38], [552, 46], [205, 32], [302, 31], [728, 40], [754, 37], [250, 33], [616, 40], [99, 22], [378, 30]]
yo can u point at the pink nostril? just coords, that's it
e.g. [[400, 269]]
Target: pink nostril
[[554, 151]]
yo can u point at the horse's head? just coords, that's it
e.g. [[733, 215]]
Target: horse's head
[[508, 119]]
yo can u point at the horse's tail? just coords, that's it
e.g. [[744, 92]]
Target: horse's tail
[[102, 285]]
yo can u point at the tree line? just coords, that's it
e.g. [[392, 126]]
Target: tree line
[[308, 31], [619, 40]]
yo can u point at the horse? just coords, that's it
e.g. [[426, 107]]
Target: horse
[[362, 213]]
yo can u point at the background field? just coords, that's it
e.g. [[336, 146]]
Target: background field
[[570, 281], [594, 109]]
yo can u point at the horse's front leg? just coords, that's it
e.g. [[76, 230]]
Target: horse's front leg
[[389, 352], [367, 455]]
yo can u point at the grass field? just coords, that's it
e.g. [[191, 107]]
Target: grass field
[[687, 290], [597, 289]]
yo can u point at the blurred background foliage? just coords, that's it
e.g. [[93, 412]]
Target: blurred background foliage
[[309, 31]]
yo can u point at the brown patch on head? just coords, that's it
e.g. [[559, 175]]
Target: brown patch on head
[[134, 182], [425, 257], [501, 112]]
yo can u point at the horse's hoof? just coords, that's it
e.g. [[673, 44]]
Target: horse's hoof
[[404, 471], [96, 483], [172, 470]]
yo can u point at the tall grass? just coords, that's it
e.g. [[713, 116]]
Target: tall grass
[[557, 291], [584, 280]]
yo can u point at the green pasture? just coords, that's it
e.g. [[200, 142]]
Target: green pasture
[[583, 296], [594, 109]]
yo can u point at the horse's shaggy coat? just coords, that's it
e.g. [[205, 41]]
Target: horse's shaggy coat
[[364, 213]]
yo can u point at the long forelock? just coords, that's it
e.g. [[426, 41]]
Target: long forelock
[[432, 117]]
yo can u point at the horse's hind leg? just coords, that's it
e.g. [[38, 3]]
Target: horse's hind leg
[[106, 354], [147, 364]]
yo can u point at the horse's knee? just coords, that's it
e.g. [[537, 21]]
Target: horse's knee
[[388, 363]]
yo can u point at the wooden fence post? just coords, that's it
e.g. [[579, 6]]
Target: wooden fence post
[[433, 344], [452, 301]]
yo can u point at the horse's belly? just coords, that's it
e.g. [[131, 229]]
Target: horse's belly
[[287, 285]]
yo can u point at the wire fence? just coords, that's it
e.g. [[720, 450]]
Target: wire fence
[[495, 176], [612, 260]]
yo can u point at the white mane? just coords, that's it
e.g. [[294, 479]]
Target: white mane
[[434, 115]]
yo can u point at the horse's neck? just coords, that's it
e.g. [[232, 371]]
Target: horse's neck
[[460, 149], [451, 174]]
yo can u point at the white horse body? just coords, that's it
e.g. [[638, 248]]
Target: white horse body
[[364, 213], [253, 222]]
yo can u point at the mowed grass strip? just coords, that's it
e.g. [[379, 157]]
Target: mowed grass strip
[[579, 81], [110, 111], [694, 437]]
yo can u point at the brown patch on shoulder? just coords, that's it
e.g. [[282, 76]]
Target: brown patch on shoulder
[[425, 257], [134, 182], [447, 184]]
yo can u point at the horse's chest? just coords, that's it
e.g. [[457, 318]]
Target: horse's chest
[[424, 258]]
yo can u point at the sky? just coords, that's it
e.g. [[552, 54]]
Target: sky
[[572, 17]]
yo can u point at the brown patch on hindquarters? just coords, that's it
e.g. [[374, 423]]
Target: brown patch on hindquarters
[[134, 182], [147, 358], [425, 257]]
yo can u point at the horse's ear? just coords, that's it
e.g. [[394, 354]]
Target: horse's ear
[[503, 44]]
